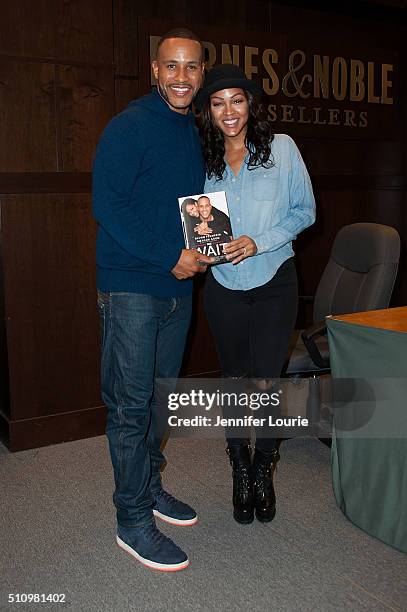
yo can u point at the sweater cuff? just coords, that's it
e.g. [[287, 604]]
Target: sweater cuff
[[171, 256]]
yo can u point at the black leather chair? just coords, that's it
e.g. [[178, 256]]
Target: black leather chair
[[359, 276]]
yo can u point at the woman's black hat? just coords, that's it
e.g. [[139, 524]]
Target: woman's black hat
[[225, 76]]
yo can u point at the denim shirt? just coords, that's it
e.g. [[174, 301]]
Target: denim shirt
[[271, 206]]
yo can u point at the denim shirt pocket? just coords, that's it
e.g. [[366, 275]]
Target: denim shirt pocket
[[265, 185]]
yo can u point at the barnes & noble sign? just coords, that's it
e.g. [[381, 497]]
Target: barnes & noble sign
[[312, 89]]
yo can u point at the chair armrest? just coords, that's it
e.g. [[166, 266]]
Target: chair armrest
[[308, 337]]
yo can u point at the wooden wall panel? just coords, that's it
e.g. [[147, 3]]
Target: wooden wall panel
[[335, 209], [84, 31], [51, 313], [335, 157], [73, 30], [237, 14], [384, 206], [45, 182], [163, 10], [339, 207], [28, 132], [253, 15], [389, 207], [125, 37], [200, 355], [85, 100], [27, 28], [125, 90], [4, 382]]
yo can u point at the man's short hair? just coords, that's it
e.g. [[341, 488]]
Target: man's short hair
[[180, 33]]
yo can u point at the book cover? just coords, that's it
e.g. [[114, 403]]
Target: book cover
[[206, 223]]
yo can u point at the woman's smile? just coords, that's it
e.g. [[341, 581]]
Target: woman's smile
[[230, 111]]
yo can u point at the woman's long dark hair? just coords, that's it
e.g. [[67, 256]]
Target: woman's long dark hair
[[259, 137]]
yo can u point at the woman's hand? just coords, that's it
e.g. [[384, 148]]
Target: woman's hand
[[240, 249]]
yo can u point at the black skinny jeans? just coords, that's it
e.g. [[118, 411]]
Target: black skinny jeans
[[252, 330]]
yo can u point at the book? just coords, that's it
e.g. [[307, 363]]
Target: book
[[206, 223]]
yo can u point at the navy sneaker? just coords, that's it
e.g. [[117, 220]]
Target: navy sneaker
[[171, 510], [152, 548]]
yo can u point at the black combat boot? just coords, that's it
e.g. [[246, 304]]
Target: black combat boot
[[264, 496], [243, 503]]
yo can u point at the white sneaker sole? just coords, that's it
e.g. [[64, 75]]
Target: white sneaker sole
[[173, 521], [163, 567]]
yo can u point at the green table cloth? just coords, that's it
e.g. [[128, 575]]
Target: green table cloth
[[369, 464]]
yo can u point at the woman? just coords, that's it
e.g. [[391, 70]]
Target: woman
[[251, 301]]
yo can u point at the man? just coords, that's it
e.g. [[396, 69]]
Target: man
[[148, 156], [213, 219]]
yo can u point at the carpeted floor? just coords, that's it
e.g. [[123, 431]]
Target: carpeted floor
[[58, 536]]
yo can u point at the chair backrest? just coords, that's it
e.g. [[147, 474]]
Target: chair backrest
[[361, 270]]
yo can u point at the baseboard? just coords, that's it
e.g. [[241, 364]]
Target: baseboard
[[52, 429]]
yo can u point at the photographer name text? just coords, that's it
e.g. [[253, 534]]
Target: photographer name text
[[247, 421]]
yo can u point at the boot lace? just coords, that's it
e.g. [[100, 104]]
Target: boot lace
[[155, 536], [166, 498]]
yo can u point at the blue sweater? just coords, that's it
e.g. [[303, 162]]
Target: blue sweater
[[148, 157]]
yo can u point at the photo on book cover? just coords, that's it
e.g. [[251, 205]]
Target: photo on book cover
[[206, 223]]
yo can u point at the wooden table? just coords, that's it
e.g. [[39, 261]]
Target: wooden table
[[394, 319]]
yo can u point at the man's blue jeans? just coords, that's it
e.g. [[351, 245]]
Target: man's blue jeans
[[142, 339]]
